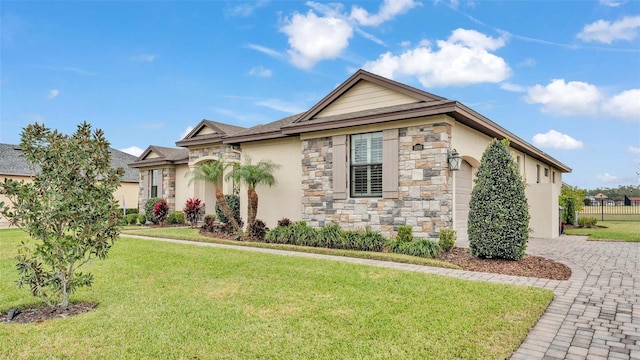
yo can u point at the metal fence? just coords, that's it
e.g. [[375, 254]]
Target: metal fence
[[612, 212]]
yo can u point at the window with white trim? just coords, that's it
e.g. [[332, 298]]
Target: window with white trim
[[366, 165], [153, 183]]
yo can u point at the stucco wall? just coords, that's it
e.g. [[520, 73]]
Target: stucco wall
[[542, 197], [129, 192], [285, 198], [183, 190]]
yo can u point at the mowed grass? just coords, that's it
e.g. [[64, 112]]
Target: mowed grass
[[194, 235], [169, 301], [611, 230]]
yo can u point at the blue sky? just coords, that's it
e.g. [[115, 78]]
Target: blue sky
[[563, 75]]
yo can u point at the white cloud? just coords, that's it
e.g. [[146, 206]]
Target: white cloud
[[625, 105], [245, 9], [606, 177], [186, 132], [260, 71], [279, 105], [512, 87], [611, 3], [528, 62], [143, 58], [607, 32], [265, 50], [314, 38], [133, 150], [556, 140], [633, 150], [388, 10], [369, 36], [463, 59], [566, 99], [53, 93]]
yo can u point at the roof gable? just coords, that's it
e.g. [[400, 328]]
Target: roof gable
[[366, 91], [208, 131]]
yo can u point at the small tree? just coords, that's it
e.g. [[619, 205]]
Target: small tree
[[213, 173], [571, 199], [68, 209], [193, 210], [253, 175], [498, 212]]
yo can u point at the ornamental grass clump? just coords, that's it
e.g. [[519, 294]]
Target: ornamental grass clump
[[498, 225], [404, 243]]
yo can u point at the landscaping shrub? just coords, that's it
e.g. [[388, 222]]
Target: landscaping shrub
[[446, 239], [405, 233], [328, 236], [258, 230], [284, 222], [131, 219], [587, 222], [422, 248], [176, 218], [209, 220], [128, 211], [498, 211], [193, 210], [148, 209], [142, 219], [161, 211], [234, 204]]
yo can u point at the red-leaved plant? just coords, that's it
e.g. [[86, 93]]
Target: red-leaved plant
[[161, 211], [193, 210]]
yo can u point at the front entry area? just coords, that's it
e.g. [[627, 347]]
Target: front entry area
[[463, 186]]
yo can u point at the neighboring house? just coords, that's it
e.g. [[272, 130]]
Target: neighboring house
[[373, 153], [14, 166]]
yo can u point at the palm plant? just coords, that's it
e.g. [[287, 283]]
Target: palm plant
[[213, 172], [253, 175]]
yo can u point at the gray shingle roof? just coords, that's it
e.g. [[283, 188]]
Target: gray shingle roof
[[12, 163]]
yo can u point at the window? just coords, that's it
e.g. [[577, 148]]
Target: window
[[553, 177], [519, 163], [153, 182], [546, 172], [538, 174], [366, 165]]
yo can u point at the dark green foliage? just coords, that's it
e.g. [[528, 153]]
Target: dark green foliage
[[142, 219], [68, 209], [258, 230], [176, 218], [404, 243], [131, 219], [234, 204], [498, 212], [421, 247], [568, 210], [571, 199], [447, 239], [329, 236], [148, 209], [209, 221], [284, 222], [161, 211], [405, 233], [587, 222], [128, 211]]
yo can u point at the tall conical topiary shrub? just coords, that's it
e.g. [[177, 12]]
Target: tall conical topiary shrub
[[498, 225]]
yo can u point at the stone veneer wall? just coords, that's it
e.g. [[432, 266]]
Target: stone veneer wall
[[425, 194], [225, 152], [169, 187]]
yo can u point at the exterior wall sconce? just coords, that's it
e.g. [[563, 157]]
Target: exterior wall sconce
[[418, 147], [454, 160]]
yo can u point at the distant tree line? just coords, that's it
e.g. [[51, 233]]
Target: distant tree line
[[617, 194]]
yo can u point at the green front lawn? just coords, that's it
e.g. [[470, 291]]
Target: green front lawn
[[161, 300], [610, 230]]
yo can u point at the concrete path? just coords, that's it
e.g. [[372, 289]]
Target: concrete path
[[594, 315]]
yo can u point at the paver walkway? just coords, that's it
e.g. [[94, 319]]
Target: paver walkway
[[594, 315]]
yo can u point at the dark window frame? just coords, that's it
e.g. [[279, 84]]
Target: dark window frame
[[372, 166]]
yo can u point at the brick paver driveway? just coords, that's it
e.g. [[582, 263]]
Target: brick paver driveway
[[595, 314]]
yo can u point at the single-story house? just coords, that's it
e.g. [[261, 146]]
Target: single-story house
[[14, 166], [372, 153]]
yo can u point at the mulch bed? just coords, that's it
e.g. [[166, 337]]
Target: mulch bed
[[41, 314], [531, 266]]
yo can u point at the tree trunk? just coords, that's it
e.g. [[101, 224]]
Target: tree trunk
[[252, 205], [227, 211]]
